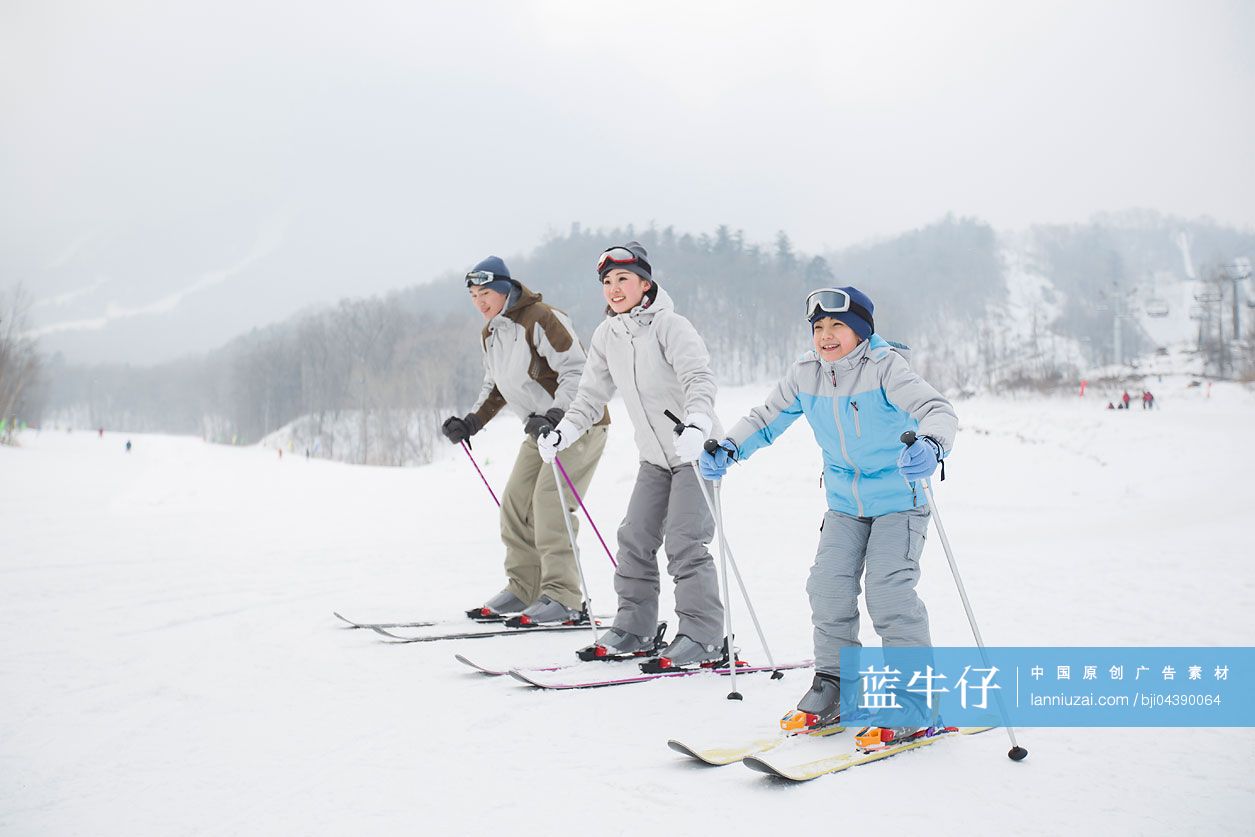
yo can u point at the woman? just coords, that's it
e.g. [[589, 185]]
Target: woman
[[656, 360]]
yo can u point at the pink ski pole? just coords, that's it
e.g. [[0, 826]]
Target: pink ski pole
[[580, 500], [467, 448]]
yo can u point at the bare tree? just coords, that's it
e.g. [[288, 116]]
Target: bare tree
[[19, 360]]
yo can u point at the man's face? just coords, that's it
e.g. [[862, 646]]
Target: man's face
[[487, 302]]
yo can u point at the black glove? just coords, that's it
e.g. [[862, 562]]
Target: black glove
[[538, 424], [458, 430]]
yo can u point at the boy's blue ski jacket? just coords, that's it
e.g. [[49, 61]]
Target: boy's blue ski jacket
[[858, 408]]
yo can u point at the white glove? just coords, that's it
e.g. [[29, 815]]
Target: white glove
[[560, 438], [688, 445]]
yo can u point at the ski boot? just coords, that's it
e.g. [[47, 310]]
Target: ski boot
[[871, 739], [545, 611], [918, 720], [494, 609], [618, 644], [685, 652], [819, 710]]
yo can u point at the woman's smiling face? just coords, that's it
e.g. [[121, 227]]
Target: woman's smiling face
[[623, 289]]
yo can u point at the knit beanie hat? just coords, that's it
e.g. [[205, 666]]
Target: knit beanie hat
[[862, 326], [639, 265], [503, 283]]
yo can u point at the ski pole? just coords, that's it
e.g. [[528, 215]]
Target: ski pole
[[467, 448], [716, 509], [727, 599], [1017, 753], [575, 549], [580, 500], [723, 573]]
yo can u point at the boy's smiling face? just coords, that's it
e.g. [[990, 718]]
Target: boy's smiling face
[[833, 338]]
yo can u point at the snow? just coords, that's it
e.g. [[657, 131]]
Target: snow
[[169, 663]]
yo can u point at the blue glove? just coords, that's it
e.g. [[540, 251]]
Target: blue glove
[[919, 461], [714, 465]]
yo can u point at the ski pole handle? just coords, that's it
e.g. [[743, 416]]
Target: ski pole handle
[[710, 446], [908, 438], [679, 425]]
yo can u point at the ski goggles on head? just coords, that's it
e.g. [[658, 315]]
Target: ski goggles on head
[[833, 301], [482, 277], [619, 255]]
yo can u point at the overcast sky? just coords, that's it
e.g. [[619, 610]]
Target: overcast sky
[[212, 166]]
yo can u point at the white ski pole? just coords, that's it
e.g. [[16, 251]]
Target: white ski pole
[[575, 549], [723, 573], [716, 509], [1017, 753]]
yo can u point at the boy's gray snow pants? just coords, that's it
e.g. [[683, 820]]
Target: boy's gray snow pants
[[888, 548], [668, 506]]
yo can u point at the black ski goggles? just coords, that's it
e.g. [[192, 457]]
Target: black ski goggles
[[834, 301], [482, 277], [619, 255]]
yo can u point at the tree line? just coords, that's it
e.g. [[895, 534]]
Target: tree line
[[369, 380]]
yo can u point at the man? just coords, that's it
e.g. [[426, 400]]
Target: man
[[532, 364]]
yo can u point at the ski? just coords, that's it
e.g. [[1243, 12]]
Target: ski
[[589, 654], [369, 625], [808, 770], [501, 672], [526, 677], [397, 639], [721, 755]]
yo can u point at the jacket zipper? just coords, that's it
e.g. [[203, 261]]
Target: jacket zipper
[[640, 401], [836, 414], [858, 430]]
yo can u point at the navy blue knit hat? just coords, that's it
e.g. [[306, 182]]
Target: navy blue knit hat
[[502, 282], [859, 318]]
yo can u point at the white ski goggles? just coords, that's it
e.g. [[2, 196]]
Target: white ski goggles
[[828, 300], [482, 277], [834, 301]]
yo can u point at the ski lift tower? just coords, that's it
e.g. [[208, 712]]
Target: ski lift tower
[[1210, 302], [1237, 271], [1122, 308]]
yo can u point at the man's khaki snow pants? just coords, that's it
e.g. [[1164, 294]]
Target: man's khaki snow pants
[[538, 556]]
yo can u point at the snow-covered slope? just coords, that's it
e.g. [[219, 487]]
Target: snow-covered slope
[[169, 663]]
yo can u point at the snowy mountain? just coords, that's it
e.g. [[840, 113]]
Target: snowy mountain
[[983, 312]]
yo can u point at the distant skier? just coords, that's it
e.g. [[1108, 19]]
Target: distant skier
[[859, 395], [1124, 399], [1148, 400], [657, 360], [532, 363], [128, 445]]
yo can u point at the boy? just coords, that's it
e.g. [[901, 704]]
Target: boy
[[859, 395]]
